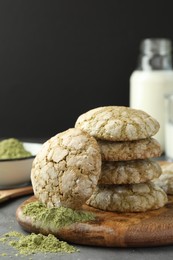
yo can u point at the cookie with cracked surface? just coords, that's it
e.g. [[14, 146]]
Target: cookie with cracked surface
[[129, 172], [117, 123], [128, 198], [165, 180], [66, 170], [129, 150]]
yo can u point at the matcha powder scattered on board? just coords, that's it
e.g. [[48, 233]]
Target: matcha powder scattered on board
[[12, 149], [35, 243], [55, 217]]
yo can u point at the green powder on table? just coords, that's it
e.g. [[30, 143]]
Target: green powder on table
[[36, 243], [12, 149], [55, 217]]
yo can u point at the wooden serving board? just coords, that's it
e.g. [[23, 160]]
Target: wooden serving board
[[109, 229]]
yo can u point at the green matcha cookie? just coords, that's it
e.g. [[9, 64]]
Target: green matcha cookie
[[116, 123], [129, 172], [165, 180], [66, 170], [129, 150], [128, 198]]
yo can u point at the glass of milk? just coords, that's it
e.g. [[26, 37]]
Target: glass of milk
[[152, 80], [169, 127]]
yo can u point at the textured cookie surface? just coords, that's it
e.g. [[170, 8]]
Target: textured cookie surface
[[115, 123], [129, 150], [165, 181], [129, 172], [66, 170], [128, 198]]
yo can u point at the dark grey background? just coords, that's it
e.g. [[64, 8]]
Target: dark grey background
[[59, 59]]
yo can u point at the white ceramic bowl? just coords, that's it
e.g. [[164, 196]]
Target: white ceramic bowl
[[14, 172]]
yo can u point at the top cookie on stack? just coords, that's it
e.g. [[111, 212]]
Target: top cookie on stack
[[117, 123]]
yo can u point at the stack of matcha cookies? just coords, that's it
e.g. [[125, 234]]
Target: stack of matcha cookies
[[125, 139]]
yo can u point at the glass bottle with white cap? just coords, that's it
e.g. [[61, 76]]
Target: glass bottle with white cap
[[152, 79]]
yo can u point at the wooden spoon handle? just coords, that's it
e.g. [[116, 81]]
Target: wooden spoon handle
[[20, 191], [13, 193]]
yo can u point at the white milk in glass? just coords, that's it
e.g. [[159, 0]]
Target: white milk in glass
[[152, 80], [169, 141], [169, 127], [147, 91]]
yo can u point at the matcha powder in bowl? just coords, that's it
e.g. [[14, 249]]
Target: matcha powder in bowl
[[12, 149]]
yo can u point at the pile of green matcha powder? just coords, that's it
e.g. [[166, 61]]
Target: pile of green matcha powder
[[36, 243], [12, 149], [55, 217], [49, 219]]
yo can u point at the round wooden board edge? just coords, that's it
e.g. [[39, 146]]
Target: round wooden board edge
[[110, 229]]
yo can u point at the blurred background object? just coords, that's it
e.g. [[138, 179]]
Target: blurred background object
[[15, 165], [169, 127], [59, 59], [152, 80]]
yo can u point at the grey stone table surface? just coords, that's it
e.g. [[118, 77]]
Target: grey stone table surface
[[8, 223]]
